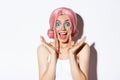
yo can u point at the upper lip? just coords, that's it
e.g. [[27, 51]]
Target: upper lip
[[62, 32]]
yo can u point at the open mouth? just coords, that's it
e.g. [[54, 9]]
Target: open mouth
[[63, 34]]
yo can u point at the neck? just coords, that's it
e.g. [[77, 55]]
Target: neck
[[67, 44], [64, 45]]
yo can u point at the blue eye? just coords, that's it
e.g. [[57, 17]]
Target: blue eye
[[67, 23], [57, 23]]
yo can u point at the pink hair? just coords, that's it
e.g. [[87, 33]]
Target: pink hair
[[62, 11]]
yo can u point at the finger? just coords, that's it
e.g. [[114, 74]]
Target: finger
[[51, 48], [47, 45], [42, 39], [55, 38], [44, 42], [81, 42]]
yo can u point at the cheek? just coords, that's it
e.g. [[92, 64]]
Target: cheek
[[57, 30], [69, 31]]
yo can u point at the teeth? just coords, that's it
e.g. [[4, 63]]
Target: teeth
[[63, 33]]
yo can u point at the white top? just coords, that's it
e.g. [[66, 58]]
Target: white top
[[63, 71]]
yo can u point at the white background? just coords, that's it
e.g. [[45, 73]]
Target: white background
[[23, 21]]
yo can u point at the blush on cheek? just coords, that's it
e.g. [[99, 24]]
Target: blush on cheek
[[69, 31]]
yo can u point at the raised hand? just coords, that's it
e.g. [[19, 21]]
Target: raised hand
[[73, 49], [50, 47]]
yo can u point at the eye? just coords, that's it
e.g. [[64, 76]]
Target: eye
[[58, 23], [67, 23]]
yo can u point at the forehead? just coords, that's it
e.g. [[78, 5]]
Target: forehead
[[63, 17]]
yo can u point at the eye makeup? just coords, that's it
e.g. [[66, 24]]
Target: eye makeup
[[58, 23], [66, 23]]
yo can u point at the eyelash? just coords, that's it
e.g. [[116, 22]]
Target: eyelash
[[58, 23], [66, 24]]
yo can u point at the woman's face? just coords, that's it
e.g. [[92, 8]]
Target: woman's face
[[63, 31]]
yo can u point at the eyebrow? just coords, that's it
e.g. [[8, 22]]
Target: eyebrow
[[57, 20], [65, 20]]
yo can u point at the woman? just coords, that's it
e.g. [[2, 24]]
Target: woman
[[63, 59]]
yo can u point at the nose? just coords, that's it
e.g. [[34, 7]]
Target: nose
[[62, 27]]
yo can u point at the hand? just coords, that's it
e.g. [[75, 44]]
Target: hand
[[73, 49], [50, 47]]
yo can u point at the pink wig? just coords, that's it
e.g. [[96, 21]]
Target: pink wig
[[62, 11]]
